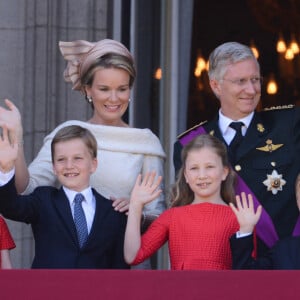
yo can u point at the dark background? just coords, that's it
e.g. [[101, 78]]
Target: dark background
[[244, 21]]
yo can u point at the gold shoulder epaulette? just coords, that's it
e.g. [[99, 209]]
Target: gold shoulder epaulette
[[190, 129], [279, 107]]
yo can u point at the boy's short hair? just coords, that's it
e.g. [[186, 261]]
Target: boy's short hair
[[75, 132]]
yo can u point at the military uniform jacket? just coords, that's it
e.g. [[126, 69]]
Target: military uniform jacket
[[268, 160]]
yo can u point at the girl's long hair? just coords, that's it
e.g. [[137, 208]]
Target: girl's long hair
[[181, 193]]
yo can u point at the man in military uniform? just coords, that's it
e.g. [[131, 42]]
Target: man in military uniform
[[263, 147]]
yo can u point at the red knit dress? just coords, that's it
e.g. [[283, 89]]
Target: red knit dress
[[6, 241], [198, 237]]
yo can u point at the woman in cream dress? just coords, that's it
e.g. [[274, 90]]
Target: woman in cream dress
[[104, 72]]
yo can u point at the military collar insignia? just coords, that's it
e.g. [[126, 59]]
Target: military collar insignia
[[212, 132], [274, 182], [190, 129], [289, 106], [260, 127], [269, 147]]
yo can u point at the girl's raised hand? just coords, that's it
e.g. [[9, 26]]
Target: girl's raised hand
[[146, 188], [245, 212]]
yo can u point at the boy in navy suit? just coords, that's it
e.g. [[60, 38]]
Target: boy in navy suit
[[97, 242]]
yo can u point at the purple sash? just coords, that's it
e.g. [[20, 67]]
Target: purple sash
[[265, 228], [296, 231]]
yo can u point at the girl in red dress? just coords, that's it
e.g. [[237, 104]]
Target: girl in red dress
[[6, 243], [199, 224]]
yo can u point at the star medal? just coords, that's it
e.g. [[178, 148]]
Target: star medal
[[274, 182]]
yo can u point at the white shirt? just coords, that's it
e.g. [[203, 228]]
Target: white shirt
[[88, 205], [227, 132], [6, 177]]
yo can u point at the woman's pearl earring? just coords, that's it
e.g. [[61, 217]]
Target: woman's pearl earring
[[90, 100]]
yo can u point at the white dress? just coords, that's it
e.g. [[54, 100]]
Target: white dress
[[123, 153]]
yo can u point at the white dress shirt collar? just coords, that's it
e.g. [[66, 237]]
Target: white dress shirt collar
[[228, 132], [87, 193], [88, 205]]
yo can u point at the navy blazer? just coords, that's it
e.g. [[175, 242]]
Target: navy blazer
[[48, 211], [285, 255], [253, 165]]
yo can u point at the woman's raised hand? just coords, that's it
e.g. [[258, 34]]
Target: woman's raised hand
[[8, 152], [10, 117]]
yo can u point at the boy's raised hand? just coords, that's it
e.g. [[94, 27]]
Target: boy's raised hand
[[245, 212], [146, 189], [8, 152]]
